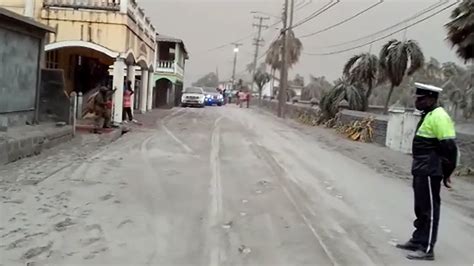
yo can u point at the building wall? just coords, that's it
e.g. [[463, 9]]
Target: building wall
[[19, 60], [17, 6], [112, 29]]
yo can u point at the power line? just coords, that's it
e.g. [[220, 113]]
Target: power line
[[253, 34], [258, 40], [318, 12], [343, 21], [260, 57], [416, 15], [385, 36]]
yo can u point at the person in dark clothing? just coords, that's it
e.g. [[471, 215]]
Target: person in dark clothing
[[435, 156]]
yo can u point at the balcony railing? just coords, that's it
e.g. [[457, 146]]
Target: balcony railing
[[113, 5], [166, 66]]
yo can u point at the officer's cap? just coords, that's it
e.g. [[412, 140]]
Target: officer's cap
[[427, 90]]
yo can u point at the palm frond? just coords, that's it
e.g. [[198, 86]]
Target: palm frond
[[295, 47], [417, 59], [348, 66], [384, 53], [273, 56], [461, 29], [343, 91]]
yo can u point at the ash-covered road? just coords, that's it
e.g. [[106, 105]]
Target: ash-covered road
[[216, 186]]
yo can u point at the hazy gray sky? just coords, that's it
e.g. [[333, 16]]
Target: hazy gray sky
[[204, 25]]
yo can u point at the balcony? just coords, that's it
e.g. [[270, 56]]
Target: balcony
[[112, 5], [166, 66]]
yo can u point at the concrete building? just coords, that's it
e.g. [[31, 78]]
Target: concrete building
[[22, 44], [169, 74], [93, 37]]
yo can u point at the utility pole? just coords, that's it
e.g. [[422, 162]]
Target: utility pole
[[284, 66], [236, 51], [258, 42]]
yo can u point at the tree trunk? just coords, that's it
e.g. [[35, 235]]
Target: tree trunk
[[260, 95], [455, 112], [388, 99], [367, 96]]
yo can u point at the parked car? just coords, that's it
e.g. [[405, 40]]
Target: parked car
[[193, 97], [213, 97]]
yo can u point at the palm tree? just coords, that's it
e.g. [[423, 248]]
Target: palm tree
[[295, 47], [433, 68], [315, 88], [261, 78], [362, 69], [250, 67], [456, 97], [398, 59], [468, 103], [343, 91], [461, 29], [451, 70]]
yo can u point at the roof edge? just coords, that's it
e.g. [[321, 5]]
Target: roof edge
[[25, 20]]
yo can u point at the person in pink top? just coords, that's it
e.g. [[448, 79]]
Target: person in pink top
[[242, 97], [127, 102]]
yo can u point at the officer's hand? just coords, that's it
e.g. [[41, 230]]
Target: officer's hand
[[447, 182]]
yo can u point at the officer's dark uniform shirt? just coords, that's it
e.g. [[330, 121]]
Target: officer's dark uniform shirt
[[434, 147]]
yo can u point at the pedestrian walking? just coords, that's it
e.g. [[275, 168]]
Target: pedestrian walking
[[242, 98], [109, 94], [100, 109], [435, 156], [127, 102], [237, 97]]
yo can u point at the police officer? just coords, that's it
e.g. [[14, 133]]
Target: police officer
[[435, 157]]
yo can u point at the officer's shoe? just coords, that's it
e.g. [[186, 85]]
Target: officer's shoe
[[421, 255], [409, 246]]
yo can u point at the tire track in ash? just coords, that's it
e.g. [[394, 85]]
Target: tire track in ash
[[183, 145], [147, 166], [215, 211], [278, 171]]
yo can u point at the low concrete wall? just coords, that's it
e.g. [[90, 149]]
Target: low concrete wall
[[465, 141], [23, 142], [347, 116], [466, 146], [379, 125], [20, 118]]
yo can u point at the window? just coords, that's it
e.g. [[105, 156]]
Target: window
[[52, 59]]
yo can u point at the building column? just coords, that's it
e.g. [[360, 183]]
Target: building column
[[123, 6], [144, 91], [117, 84], [131, 77], [173, 95], [29, 8], [151, 85]]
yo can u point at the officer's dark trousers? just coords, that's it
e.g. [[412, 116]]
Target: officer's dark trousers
[[427, 204]]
